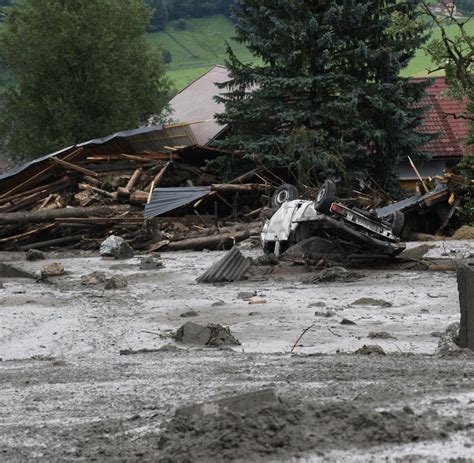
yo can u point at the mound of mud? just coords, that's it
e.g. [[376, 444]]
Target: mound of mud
[[285, 429], [464, 233]]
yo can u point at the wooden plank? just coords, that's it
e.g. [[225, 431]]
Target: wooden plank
[[27, 234], [157, 180], [70, 166], [39, 175]]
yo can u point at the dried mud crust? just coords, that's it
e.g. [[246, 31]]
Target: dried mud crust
[[290, 428]]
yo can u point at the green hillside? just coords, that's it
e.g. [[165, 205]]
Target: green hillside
[[202, 46], [199, 47], [419, 65]]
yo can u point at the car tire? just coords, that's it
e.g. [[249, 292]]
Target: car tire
[[397, 221], [325, 197], [283, 193]]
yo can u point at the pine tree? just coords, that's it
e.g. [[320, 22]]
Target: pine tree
[[328, 92]]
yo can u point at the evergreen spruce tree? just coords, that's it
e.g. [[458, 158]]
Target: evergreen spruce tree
[[327, 95]]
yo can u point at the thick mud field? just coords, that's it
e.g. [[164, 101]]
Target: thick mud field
[[69, 394]]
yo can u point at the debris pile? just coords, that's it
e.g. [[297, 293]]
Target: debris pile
[[80, 196]]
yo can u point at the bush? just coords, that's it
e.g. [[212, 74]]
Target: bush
[[166, 57]]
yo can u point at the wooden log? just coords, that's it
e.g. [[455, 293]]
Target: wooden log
[[138, 197], [62, 181], [35, 178], [156, 181], [134, 179], [48, 215], [70, 166], [108, 194], [29, 200], [27, 234], [54, 242], [220, 241], [91, 180]]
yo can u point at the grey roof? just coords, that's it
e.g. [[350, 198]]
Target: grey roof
[[195, 105]]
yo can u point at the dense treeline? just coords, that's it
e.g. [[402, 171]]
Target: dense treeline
[[168, 10]]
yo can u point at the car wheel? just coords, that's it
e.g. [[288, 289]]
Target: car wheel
[[397, 221], [283, 193], [325, 196]]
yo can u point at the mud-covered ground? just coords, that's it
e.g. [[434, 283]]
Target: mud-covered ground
[[68, 394]]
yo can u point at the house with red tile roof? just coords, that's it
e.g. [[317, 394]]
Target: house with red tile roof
[[196, 105], [446, 119]]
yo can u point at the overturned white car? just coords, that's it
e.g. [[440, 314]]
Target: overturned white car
[[356, 230]]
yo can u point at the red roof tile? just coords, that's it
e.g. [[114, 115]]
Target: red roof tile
[[443, 118]]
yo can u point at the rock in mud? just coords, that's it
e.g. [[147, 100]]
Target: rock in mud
[[334, 274], [189, 313], [346, 321], [278, 431], [380, 335], [117, 247], [1, 285], [372, 301], [34, 254], [212, 335], [53, 270], [149, 263], [370, 350], [94, 278], [448, 343], [116, 283], [325, 313]]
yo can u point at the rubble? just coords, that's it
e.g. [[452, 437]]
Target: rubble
[[448, 343], [212, 335], [116, 283], [94, 278], [55, 269], [334, 274], [117, 247], [150, 263], [34, 254], [372, 301], [78, 196], [189, 313], [370, 350]]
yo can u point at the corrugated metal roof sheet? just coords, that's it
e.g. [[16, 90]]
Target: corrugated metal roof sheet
[[167, 199], [195, 105], [232, 267]]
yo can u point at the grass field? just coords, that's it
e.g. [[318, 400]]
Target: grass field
[[199, 47], [421, 63], [202, 46]]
